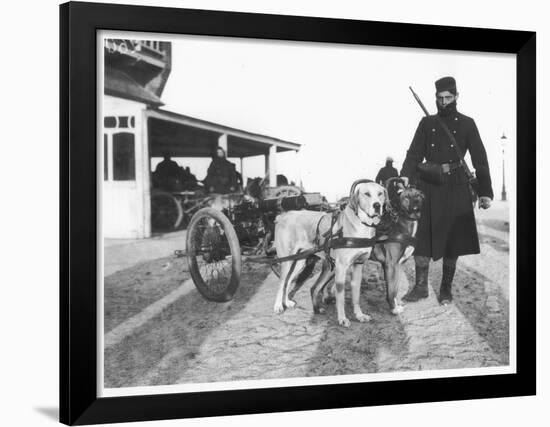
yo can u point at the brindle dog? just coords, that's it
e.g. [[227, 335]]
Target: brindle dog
[[398, 238]]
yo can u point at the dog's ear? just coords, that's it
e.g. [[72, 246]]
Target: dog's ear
[[353, 202], [387, 202], [400, 187]]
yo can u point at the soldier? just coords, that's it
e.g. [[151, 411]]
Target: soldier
[[447, 227], [386, 172]]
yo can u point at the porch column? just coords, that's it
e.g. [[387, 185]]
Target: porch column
[[143, 123], [271, 165], [222, 142], [298, 177]]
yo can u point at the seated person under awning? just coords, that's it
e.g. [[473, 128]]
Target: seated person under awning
[[166, 173], [222, 175], [170, 176]]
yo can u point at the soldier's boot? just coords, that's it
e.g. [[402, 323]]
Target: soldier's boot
[[445, 292], [420, 289]]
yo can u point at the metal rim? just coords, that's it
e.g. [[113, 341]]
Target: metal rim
[[214, 255]]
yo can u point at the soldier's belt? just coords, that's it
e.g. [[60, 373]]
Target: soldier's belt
[[448, 167]]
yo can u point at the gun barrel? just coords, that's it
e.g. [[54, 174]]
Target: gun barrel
[[419, 101]]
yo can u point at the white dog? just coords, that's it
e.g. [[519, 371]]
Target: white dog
[[298, 231]]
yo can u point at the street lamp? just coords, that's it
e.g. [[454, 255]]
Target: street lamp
[[503, 143]]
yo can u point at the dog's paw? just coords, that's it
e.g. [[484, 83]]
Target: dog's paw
[[398, 309], [278, 308], [362, 317], [407, 254], [344, 322], [318, 309], [290, 304]]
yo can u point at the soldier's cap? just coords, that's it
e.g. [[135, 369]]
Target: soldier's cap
[[389, 159], [446, 83]]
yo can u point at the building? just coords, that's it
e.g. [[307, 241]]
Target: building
[[135, 129]]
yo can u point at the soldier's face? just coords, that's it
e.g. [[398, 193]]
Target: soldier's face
[[445, 98]]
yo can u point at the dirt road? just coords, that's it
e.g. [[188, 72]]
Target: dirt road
[[159, 330]]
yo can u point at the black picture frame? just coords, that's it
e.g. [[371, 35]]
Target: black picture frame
[[79, 23]]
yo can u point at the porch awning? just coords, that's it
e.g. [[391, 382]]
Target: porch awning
[[184, 136]]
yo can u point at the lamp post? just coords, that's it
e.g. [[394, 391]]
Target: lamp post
[[503, 143]]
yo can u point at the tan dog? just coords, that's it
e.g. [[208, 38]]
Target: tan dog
[[298, 231]]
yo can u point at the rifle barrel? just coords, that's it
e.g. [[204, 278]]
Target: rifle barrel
[[419, 101]]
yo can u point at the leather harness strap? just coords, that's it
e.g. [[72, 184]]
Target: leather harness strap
[[336, 240], [403, 238], [332, 241], [339, 242], [352, 243]]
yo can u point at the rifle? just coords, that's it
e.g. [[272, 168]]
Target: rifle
[[419, 101], [472, 180]]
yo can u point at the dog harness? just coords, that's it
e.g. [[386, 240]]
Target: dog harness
[[403, 238], [335, 240], [331, 240]]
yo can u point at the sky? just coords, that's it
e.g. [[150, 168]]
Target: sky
[[348, 106]]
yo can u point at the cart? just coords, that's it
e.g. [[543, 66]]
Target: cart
[[233, 230], [220, 240], [172, 210]]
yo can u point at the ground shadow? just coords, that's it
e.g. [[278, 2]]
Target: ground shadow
[[170, 341], [364, 347], [127, 292], [497, 224], [487, 310], [496, 243], [482, 303]]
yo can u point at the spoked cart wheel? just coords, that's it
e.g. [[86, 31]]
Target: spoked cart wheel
[[214, 255], [166, 212]]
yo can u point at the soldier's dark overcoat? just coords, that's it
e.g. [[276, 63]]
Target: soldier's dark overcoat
[[447, 226]]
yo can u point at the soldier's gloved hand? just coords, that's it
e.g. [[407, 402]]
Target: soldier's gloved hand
[[485, 202], [405, 180]]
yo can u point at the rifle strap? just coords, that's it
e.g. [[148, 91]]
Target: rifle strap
[[456, 147]]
